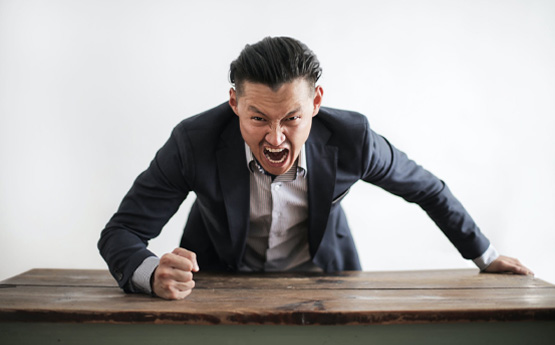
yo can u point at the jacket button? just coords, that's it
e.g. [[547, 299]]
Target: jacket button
[[118, 274]]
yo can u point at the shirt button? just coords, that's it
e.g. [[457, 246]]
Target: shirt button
[[277, 186]]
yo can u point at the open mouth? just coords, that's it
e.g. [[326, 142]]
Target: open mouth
[[276, 156]]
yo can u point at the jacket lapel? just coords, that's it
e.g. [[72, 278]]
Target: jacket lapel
[[322, 166], [235, 186]]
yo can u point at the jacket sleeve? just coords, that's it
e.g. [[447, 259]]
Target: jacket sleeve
[[387, 167], [153, 199]]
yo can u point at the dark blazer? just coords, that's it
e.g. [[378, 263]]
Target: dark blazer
[[205, 154]]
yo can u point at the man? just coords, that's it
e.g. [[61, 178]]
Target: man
[[269, 169]]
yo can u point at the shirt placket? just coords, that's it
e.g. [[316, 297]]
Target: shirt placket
[[276, 230]]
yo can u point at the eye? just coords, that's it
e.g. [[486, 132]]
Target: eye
[[257, 118], [293, 118]]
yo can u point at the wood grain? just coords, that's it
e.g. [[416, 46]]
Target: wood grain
[[433, 279], [287, 299]]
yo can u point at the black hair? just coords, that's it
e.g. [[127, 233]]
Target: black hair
[[273, 62]]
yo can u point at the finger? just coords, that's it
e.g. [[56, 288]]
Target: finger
[[184, 286], [176, 261], [521, 269], [189, 255], [182, 294], [178, 286], [165, 273], [173, 293], [171, 289], [516, 268]]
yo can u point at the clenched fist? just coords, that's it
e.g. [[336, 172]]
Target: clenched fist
[[173, 278]]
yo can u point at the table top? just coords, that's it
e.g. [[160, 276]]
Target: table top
[[343, 298]]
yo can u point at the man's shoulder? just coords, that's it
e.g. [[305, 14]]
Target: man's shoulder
[[205, 131], [211, 119], [339, 121], [209, 126]]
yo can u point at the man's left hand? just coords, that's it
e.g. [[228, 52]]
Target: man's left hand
[[505, 264]]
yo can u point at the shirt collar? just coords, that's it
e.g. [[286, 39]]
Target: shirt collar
[[301, 160]]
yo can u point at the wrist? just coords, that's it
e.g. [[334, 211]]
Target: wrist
[[487, 258]]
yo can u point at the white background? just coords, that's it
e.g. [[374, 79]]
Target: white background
[[89, 90]]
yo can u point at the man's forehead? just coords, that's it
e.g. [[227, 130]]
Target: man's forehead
[[249, 86]]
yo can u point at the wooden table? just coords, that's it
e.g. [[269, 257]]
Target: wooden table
[[48, 306]]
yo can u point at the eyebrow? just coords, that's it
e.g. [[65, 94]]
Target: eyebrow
[[254, 109]]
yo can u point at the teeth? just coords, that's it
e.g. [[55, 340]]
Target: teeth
[[268, 151], [273, 150]]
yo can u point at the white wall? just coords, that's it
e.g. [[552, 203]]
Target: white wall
[[89, 90]]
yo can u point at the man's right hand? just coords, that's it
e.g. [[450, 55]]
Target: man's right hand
[[173, 278]]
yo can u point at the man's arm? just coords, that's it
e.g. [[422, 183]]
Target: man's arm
[[392, 170], [153, 199]]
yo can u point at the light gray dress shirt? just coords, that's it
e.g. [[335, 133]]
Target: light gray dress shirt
[[278, 225]]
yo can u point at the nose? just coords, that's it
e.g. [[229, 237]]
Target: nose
[[275, 135]]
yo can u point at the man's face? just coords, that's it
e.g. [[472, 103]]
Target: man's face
[[276, 124]]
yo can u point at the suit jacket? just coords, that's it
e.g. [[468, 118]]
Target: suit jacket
[[205, 154]]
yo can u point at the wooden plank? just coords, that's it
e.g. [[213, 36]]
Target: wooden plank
[[433, 279], [292, 298], [440, 279], [278, 306], [62, 277]]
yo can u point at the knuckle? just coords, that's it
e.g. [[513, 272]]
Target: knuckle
[[165, 259], [163, 274], [162, 270]]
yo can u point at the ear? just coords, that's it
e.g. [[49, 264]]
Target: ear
[[233, 100], [318, 95]]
